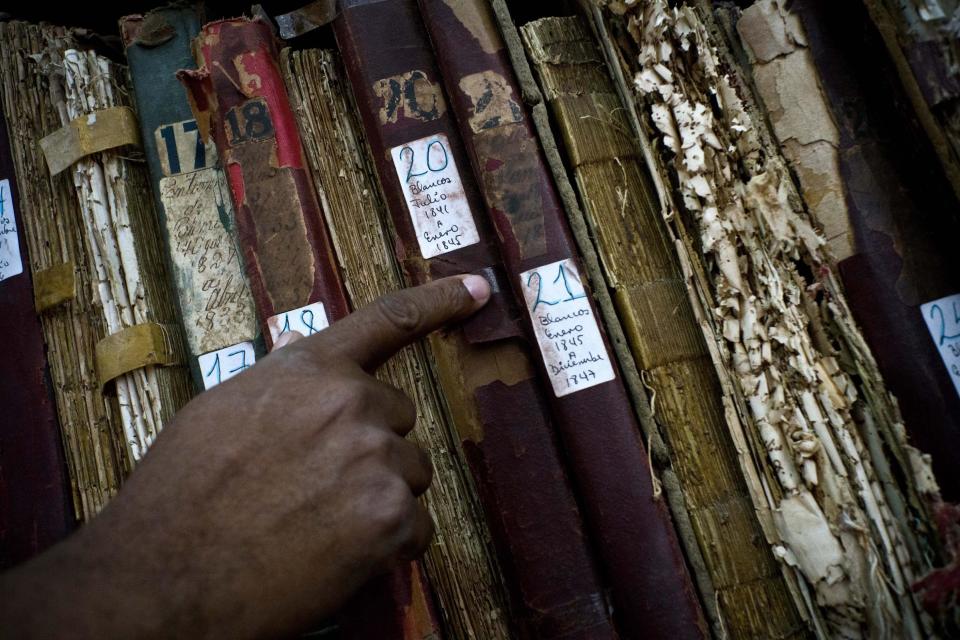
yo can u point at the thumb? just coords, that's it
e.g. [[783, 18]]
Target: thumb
[[372, 334]]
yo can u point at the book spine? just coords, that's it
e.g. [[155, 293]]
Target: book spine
[[70, 313], [35, 497], [649, 291], [461, 563], [901, 279], [239, 98], [240, 102], [141, 358], [484, 367], [771, 309], [652, 590], [193, 202]]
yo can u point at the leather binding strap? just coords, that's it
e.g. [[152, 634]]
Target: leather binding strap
[[633, 533], [35, 497], [240, 100], [54, 285], [97, 131], [141, 345], [484, 366]]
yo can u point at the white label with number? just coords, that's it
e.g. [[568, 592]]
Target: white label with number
[[943, 321], [10, 262], [217, 366], [566, 329], [434, 193], [306, 320]]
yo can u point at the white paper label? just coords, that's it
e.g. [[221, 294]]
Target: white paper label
[[306, 320], [943, 321], [217, 366], [566, 329], [434, 193], [10, 262]]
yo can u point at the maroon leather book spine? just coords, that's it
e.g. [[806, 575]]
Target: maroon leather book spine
[[239, 98], [35, 501], [484, 365], [633, 533], [902, 211]]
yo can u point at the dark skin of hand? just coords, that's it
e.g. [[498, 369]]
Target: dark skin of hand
[[265, 503]]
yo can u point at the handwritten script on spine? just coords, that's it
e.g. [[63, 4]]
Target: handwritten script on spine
[[943, 321], [565, 327], [10, 262], [217, 307], [434, 193]]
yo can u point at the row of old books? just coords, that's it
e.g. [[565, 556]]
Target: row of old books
[[724, 329]]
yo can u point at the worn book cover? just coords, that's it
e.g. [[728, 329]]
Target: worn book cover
[[240, 103], [461, 563], [484, 366], [749, 589], [141, 358], [826, 444], [36, 504], [652, 592], [192, 198], [70, 311]]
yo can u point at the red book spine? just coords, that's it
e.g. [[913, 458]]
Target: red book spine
[[484, 365], [239, 98], [35, 500], [633, 532]]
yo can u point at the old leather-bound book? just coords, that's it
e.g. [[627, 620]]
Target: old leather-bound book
[[240, 102], [652, 591], [36, 507], [888, 195], [192, 198], [825, 441], [461, 563], [141, 358], [484, 366], [68, 306], [644, 272]]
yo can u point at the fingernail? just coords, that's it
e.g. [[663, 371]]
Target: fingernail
[[478, 287]]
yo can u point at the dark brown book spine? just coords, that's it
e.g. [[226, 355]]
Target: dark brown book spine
[[902, 280], [484, 366], [35, 498], [652, 591]]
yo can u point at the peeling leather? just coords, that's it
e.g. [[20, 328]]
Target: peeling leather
[[411, 94], [284, 241]]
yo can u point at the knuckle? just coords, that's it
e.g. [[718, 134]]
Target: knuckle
[[394, 513], [400, 312], [371, 442]]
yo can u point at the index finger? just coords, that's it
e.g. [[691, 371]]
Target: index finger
[[369, 336]]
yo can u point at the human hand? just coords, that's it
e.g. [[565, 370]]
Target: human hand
[[268, 500]]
